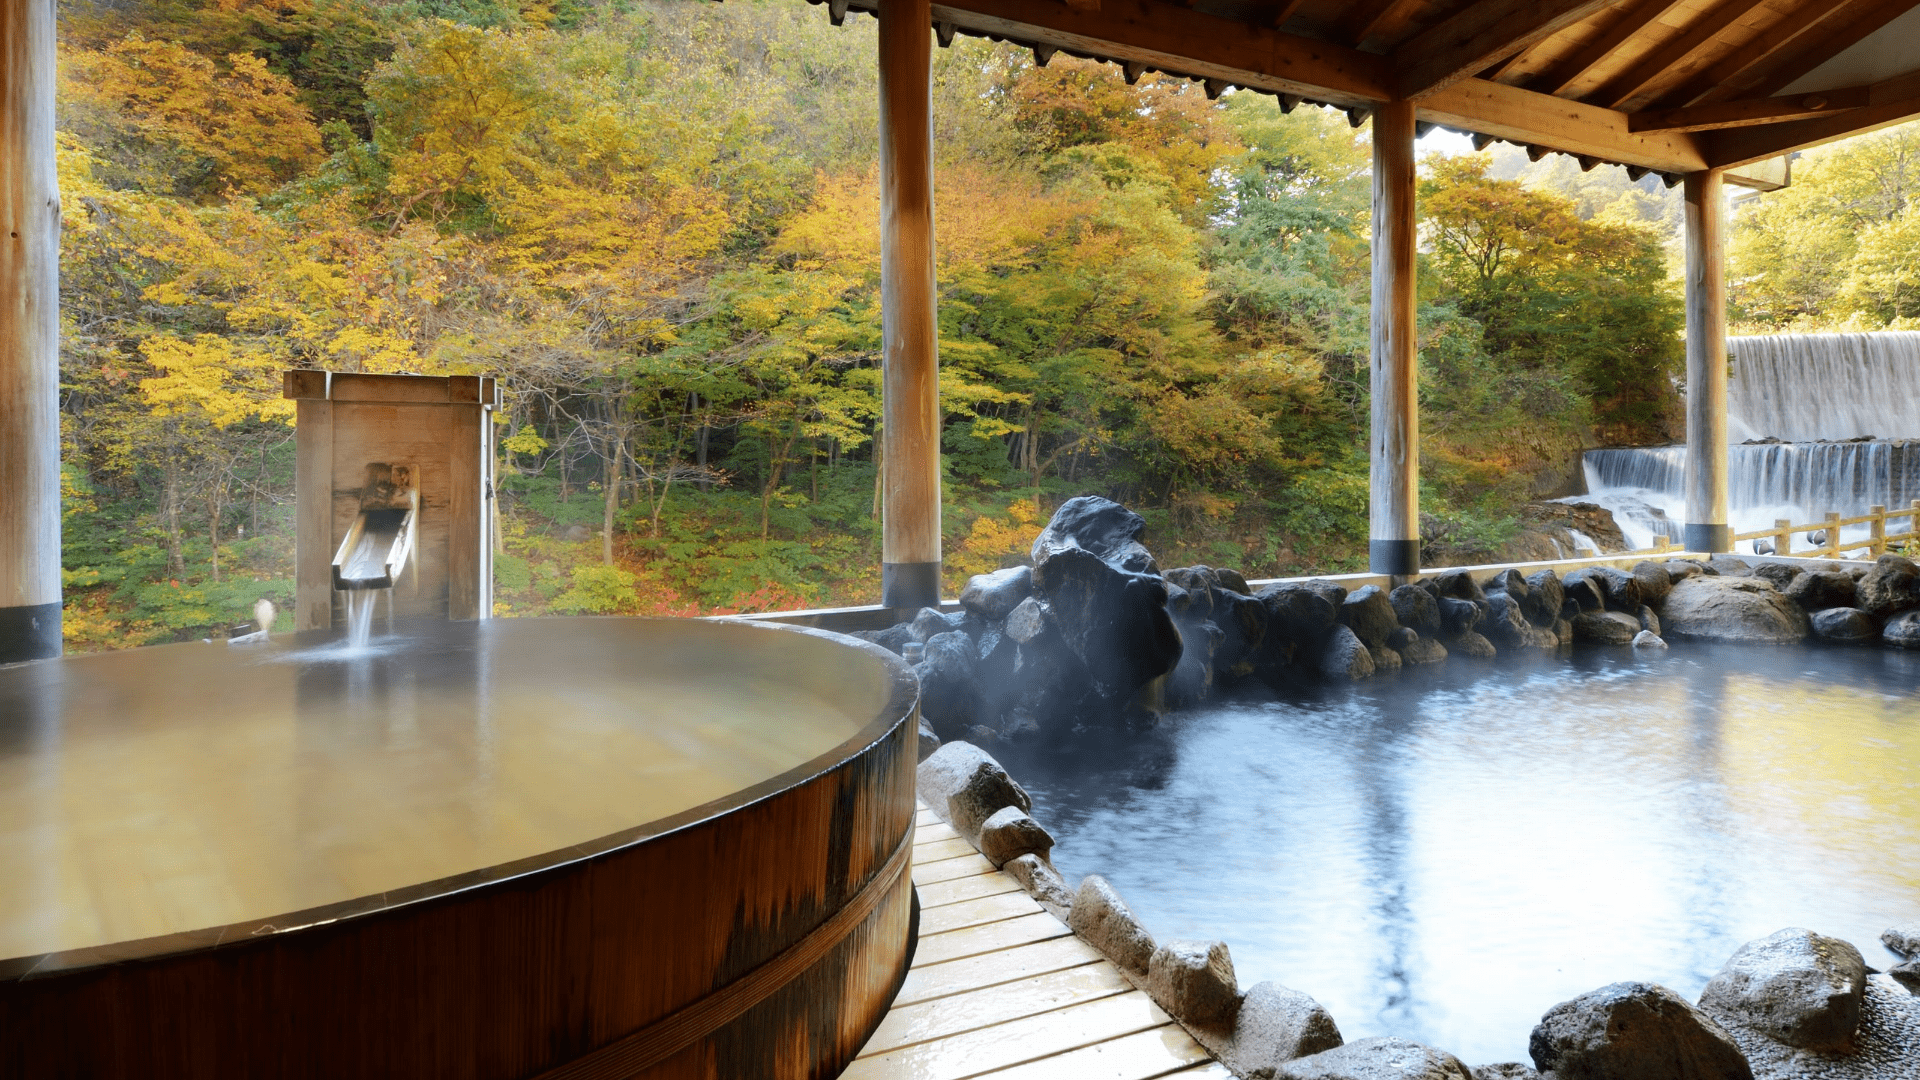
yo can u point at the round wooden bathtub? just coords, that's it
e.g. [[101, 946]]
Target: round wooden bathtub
[[519, 848]]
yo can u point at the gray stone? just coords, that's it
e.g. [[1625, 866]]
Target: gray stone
[[1681, 569], [1903, 940], [1458, 616], [1383, 1058], [961, 776], [1459, 585], [1402, 637], [1298, 613], [1472, 645], [1893, 583], [949, 690], [1797, 986], [1194, 981], [1102, 919], [991, 596], [1369, 615], [1605, 627], [1506, 1070], [1654, 581], [1115, 621], [1109, 531], [1416, 609], [1385, 659], [1887, 1046], [1617, 589], [1233, 580], [1584, 593], [1546, 597], [1818, 590], [1508, 581], [1276, 1025], [1844, 624], [1634, 1031], [1780, 574], [1042, 882], [1344, 656], [1009, 833], [1732, 609], [1028, 620], [930, 623], [1729, 566], [1563, 629], [1903, 630], [1423, 651], [1505, 625], [1647, 639], [1648, 620], [1907, 974], [929, 742], [1332, 591]]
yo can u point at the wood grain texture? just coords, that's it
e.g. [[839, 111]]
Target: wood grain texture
[[1395, 438], [29, 310], [909, 334], [467, 506], [314, 536], [1706, 300], [515, 976]]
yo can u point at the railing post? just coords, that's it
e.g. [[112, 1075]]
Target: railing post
[[1877, 531], [1783, 536], [1660, 543], [1833, 534]]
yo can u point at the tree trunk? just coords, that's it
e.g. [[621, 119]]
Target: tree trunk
[[213, 526], [612, 506], [170, 508]]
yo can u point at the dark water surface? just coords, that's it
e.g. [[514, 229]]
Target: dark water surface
[[1445, 854]]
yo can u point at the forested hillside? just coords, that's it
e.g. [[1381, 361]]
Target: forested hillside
[[657, 222]]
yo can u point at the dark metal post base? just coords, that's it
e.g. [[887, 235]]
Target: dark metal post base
[[1400, 558], [29, 633], [910, 586], [1709, 538]]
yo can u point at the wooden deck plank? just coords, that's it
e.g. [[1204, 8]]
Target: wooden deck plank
[[927, 834], [949, 1016], [1209, 1069], [941, 893], [1014, 1042], [942, 849], [975, 912], [1141, 1056], [929, 873], [991, 937], [992, 969]]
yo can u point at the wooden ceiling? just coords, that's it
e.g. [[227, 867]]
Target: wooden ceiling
[[1666, 85]]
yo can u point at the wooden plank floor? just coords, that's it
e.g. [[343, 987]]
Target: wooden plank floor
[[1001, 989]]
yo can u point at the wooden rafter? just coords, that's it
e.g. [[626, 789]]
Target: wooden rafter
[[1741, 146], [1633, 19], [1686, 46], [1523, 116], [1722, 79], [1752, 112], [1481, 34], [1278, 14], [1840, 35], [1377, 17]]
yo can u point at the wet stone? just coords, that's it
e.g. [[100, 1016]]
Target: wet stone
[[1647, 639], [1818, 590], [1893, 583], [1041, 881], [1605, 627], [1797, 986], [1103, 920], [1367, 612], [1634, 1031], [1345, 656], [1472, 645], [1276, 1025], [1844, 624], [1194, 981], [1654, 581], [1416, 609], [1376, 1059], [1903, 630], [1010, 833], [992, 596]]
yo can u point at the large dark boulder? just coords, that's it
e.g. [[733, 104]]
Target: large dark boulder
[[1345, 656], [1508, 581], [1379, 1058], [1793, 985], [1109, 531], [1654, 581], [1472, 645], [1545, 595], [1583, 594], [949, 692], [1618, 590], [1845, 625], [1779, 574], [1416, 609], [1369, 615], [1634, 1031], [1299, 613], [1892, 584], [1243, 621], [931, 622], [1457, 584], [893, 639], [1729, 566], [1679, 570], [1114, 620], [1504, 625], [1903, 630], [1732, 609], [1817, 590], [991, 596], [1606, 627], [1458, 617]]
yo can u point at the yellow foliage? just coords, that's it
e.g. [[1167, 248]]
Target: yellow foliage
[[212, 377], [995, 542]]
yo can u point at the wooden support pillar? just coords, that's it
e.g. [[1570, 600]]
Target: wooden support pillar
[[910, 382], [29, 336], [1394, 444], [1707, 528]]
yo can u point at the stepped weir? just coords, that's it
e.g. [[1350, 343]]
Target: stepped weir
[[1826, 422]]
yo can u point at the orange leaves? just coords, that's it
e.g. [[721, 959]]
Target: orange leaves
[[241, 122]]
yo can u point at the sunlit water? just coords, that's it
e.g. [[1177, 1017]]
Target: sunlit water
[[1444, 854]]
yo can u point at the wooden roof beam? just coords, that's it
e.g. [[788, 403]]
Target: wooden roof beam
[[1380, 16], [1748, 112], [1530, 118], [1685, 46], [1479, 36], [1634, 19], [1841, 34], [1722, 80], [1742, 146]]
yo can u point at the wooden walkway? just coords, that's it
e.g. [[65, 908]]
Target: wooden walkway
[[1001, 989]]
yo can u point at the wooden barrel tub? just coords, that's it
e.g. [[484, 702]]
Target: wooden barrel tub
[[557, 848]]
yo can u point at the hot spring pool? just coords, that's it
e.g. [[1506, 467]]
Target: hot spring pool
[[1445, 854]]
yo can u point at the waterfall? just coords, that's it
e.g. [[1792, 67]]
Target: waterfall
[[1806, 387], [1806, 391]]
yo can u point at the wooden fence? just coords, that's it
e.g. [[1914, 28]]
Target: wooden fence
[[1828, 544]]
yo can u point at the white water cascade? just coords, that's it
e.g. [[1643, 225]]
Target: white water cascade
[[1842, 416]]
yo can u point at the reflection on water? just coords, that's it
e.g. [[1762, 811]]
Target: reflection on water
[[1443, 855]]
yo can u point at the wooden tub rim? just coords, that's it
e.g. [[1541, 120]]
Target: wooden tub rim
[[903, 700]]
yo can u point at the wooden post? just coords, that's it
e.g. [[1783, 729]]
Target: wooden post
[[1877, 531], [1394, 444], [910, 382], [1782, 536], [29, 337], [1833, 534], [1707, 528]]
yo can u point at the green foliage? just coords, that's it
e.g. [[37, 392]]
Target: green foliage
[[597, 590]]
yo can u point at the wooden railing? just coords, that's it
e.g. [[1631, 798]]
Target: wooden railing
[[1875, 545]]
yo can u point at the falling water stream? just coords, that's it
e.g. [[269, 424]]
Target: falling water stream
[[1844, 409], [360, 604]]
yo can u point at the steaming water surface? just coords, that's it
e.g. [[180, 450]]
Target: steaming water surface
[[1443, 855]]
